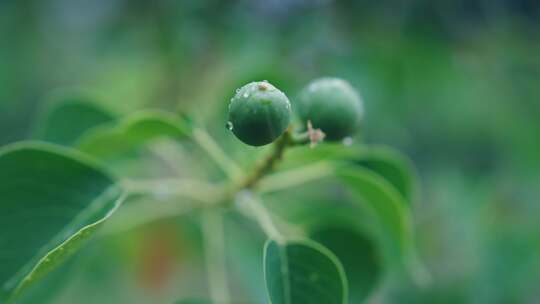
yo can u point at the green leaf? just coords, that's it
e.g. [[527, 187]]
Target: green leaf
[[68, 117], [393, 166], [53, 199], [388, 208], [358, 254], [303, 271], [132, 132]]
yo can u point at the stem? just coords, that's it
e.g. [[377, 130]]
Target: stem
[[268, 163], [214, 243], [253, 207], [231, 169], [295, 177], [188, 188], [311, 136]]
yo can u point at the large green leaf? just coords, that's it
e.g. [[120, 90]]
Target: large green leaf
[[52, 200], [68, 117], [302, 272], [132, 132], [357, 252]]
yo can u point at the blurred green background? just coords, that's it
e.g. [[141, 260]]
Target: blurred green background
[[455, 85]]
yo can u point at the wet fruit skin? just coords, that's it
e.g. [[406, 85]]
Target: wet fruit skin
[[332, 105], [259, 113]]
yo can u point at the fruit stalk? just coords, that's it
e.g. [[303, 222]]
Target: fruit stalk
[[268, 163]]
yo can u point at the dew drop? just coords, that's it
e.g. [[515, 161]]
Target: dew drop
[[246, 95], [229, 126], [347, 141]]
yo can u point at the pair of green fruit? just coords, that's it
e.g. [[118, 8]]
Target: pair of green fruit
[[259, 113]]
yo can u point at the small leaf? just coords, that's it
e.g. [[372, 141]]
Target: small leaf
[[53, 199], [357, 253], [393, 166], [388, 208], [303, 271], [132, 132], [68, 117]]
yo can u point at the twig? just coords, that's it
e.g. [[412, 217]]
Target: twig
[[203, 139], [267, 164], [188, 188], [288, 139], [251, 206]]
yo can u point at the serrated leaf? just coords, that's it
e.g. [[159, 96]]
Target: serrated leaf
[[53, 199], [132, 132], [357, 252], [68, 117], [303, 271]]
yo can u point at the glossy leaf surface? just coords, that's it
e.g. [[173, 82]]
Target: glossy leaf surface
[[68, 118], [302, 272], [132, 132], [53, 199]]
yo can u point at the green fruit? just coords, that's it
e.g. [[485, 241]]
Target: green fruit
[[332, 105], [259, 113]]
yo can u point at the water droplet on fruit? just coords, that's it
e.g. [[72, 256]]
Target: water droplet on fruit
[[229, 126], [347, 141]]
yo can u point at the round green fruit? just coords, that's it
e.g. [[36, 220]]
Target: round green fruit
[[332, 105], [259, 113]]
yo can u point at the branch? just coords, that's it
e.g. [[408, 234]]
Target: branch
[[288, 139]]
